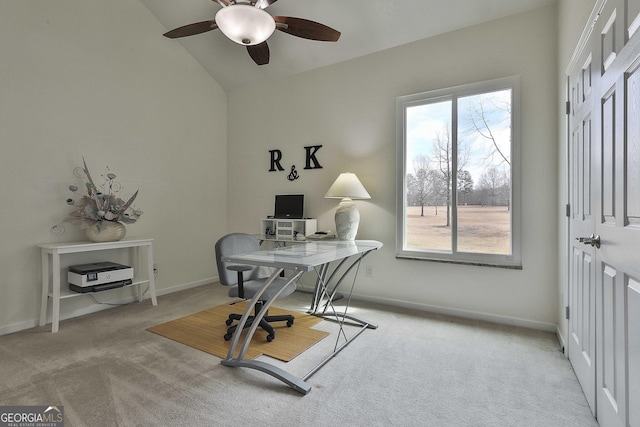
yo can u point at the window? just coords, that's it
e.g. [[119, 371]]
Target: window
[[458, 174]]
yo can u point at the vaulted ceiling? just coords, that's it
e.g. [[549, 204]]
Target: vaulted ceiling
[[367, 26]]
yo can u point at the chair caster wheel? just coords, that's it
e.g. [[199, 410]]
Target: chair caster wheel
[[289, 323], [270, 338], [229, 322], [227, 337]]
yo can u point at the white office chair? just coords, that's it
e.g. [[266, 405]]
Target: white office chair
[[245, 282]]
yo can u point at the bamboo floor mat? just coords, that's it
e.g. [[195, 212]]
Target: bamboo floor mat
[[205, 329]]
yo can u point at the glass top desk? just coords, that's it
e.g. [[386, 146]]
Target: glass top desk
[[282, 241], [332, 262]]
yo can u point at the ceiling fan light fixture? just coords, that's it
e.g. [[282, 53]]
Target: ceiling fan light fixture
[[244, 24]]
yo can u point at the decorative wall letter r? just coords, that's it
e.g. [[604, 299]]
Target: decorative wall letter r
[[276, 156]]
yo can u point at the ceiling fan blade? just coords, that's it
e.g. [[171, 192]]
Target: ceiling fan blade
[[259, 53], [263, 4], [192, 29], [306, 29]]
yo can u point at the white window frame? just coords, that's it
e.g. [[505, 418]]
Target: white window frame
[[513, 260]]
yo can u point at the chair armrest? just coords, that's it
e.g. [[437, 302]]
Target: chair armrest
[[240, 269]]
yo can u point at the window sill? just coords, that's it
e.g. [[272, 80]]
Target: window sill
[[507, 265]]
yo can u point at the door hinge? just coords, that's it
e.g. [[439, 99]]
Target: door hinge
[[568, 108], [568, 210], [566, 312]]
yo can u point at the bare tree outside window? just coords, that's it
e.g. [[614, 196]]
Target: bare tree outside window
[[485, 123], [465, 185], [420, 183]]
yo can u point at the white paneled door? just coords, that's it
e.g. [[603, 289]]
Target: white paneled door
[[604, 191], [582, 287]]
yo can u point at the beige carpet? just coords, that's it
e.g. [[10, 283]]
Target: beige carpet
[[107, 370], [204, 330]]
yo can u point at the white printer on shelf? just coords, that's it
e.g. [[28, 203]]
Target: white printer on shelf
[[99, 276]]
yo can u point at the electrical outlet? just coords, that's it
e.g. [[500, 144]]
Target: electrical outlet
[[369, 271]]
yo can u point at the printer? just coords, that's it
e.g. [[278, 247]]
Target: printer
[[99, 276]]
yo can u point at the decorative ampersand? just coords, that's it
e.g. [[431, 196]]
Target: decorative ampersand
[[294, 174]]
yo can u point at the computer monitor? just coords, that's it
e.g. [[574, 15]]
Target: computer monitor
[[289, 206]]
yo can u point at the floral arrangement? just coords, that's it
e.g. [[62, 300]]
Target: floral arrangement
[[101, 203]]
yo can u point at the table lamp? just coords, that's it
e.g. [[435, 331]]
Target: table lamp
[[347, 187]]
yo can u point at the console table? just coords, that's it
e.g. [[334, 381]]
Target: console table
[[51, 254]]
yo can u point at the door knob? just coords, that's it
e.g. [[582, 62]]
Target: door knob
[[593, 240]]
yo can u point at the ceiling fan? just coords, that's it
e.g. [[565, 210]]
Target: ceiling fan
[[246, 23]]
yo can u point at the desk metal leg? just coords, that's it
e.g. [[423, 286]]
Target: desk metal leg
[[317, 290], [322, 284], [323, 293], [291, 380], [334, 353], [296, 383], [322, 290]]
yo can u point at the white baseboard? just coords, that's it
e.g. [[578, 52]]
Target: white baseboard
[[185, 286], [467, 314], [93, 308], [562, 342], [17, 327]]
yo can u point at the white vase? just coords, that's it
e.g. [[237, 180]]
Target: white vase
[[347, 219], [106, 231]]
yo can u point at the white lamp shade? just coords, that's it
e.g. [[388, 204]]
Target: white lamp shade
[[347, 185], [244, 24]]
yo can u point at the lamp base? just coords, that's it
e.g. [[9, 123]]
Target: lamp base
[[347, 219]]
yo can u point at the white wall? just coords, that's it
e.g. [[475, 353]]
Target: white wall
[[573, 18], [96, 79], [349, 108], [90, 78]]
